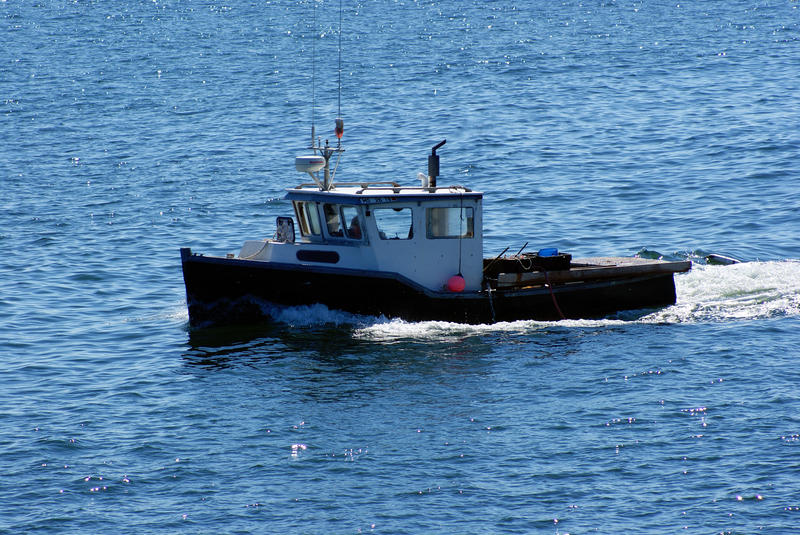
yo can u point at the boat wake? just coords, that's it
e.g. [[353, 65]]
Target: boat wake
[[315, 315], [398, 329], [390, 329], [742, 291]]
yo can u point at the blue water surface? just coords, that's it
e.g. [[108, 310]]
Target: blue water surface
[[131, 129]]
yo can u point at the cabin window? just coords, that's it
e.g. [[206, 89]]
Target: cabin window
[[394, 223], [342, 221], [452, 222], [352, 223], [308, 218], [333, 220]]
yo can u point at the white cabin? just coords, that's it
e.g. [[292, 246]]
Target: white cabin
[[427, 234]]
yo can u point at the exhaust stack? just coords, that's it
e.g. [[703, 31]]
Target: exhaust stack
[[433, 164]]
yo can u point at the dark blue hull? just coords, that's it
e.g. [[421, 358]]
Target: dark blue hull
[[226, 290]]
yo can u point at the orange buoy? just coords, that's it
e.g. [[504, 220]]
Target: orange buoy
[[456, 284]]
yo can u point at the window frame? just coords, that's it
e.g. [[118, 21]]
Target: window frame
[[349, 212], [308, 218], [394, 224], [333, 229], [445, 222]]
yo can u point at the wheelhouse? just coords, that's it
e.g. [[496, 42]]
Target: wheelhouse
[[426, 234]]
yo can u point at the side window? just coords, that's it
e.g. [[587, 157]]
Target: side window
[[333, 220], [394, 223], [308, 218], [352, 223], [450, 222]]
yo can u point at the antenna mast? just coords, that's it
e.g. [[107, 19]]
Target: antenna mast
[[339, 122], [340, 58], [313, 74], [313, 164]]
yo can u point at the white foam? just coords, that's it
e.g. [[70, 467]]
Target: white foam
[[311, 315], [385, 329], [397, 329], [750, 290]]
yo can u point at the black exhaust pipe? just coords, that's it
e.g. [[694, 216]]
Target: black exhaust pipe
[[433, 163]]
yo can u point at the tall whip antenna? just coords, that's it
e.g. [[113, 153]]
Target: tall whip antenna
[[313, 73], [339, 122], [313, 64], [340, 58]]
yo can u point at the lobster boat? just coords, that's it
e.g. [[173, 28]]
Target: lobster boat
[[411, 252]]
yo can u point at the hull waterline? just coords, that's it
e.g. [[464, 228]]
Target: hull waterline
[[224, 290]]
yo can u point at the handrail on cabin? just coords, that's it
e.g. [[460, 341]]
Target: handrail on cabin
[[385, 184]]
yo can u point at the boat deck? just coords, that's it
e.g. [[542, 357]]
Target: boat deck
[[593, 269]]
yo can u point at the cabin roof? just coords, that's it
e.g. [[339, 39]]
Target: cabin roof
[[377, 193]]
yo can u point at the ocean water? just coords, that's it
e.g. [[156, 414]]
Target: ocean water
[[130, 129]]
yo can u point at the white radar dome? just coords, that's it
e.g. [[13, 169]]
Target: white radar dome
[[309, 164]]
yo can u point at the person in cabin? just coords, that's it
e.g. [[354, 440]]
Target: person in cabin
[[355, 228], [332, 220]]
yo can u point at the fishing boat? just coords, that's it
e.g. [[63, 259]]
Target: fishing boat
[[412, 252]]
